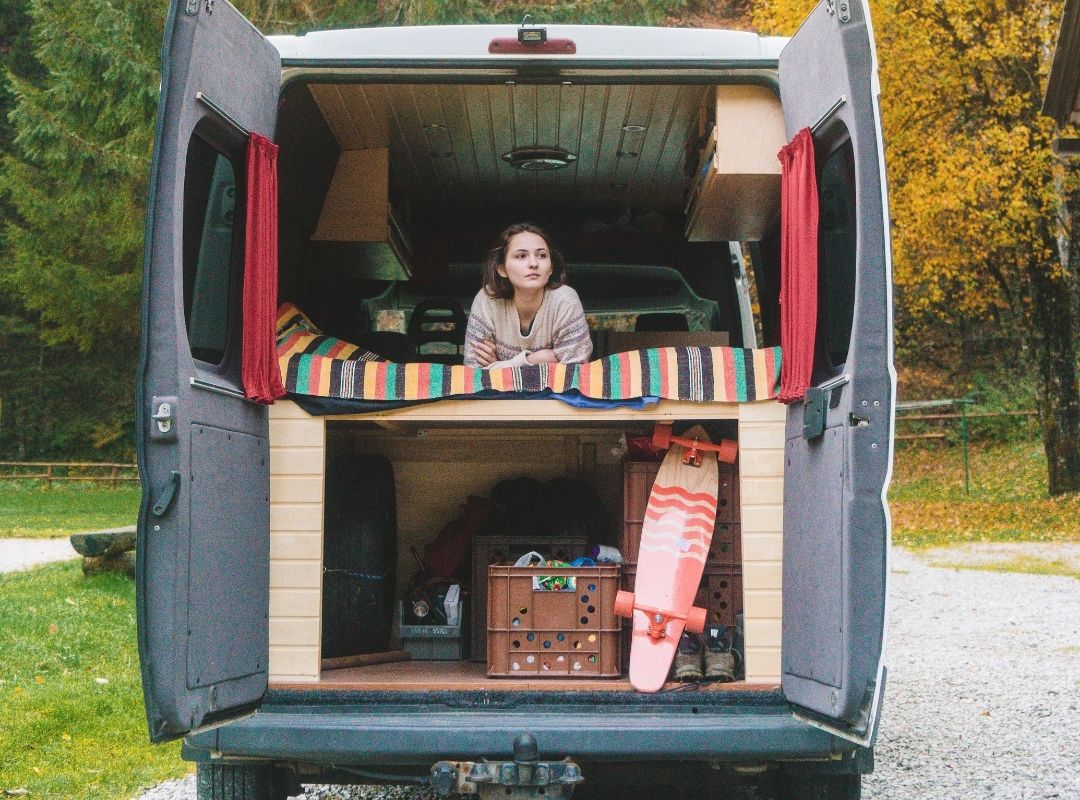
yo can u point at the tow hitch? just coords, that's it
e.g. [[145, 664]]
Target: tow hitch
[[524, 778]]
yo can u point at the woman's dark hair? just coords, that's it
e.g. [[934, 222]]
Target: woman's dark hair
[[499, 287]]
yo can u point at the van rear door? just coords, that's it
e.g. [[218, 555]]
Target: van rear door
[[203, 546], [836, 526]]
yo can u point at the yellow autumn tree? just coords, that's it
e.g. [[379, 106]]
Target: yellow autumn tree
[[977, 197]]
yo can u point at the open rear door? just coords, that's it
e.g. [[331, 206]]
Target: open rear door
[[203, 546], [838, 450]]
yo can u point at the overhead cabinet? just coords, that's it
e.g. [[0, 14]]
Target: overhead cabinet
[[362, 230], [735, 192]]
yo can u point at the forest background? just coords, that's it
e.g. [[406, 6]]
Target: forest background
[[986, 296]]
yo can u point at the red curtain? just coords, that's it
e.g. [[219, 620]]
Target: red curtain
[[260, 372], [798, 265]]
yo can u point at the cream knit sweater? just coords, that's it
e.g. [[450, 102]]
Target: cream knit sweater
[[559, 325]]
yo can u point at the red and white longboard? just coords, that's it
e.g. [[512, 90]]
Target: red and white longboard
[[675, 539]]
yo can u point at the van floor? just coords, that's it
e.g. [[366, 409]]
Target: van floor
[[467, 675]]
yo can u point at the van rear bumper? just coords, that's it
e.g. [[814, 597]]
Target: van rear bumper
[[758, 726]]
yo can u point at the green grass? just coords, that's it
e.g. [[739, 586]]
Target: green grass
[[1008, 501], [73, 724], [28, 509]]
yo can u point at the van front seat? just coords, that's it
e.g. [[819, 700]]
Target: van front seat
[[439, 320]]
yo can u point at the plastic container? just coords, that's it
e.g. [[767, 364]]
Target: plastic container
[[536, 632], [432, 642], [488, 550]]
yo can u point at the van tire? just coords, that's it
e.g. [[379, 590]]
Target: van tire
[[821, 787], [241, 782]]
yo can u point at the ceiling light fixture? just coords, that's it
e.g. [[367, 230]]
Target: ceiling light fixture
[[537, 158], [634, 128]]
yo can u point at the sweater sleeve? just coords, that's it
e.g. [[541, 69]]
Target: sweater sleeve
[[480, 328], [571, 341]]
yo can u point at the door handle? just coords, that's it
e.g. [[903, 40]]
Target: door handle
[[161, 505]]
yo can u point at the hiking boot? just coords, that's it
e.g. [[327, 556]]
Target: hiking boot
[[688, 658], [719, 656]]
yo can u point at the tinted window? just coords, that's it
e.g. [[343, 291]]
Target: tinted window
[[836, 241], [209, 257]]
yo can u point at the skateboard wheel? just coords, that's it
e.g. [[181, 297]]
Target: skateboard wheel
[[624, 605], [728, 450], [695, 620], [661, 437]]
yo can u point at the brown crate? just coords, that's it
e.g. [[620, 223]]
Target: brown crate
[[719, 593], [553, 634], [488, 550], [638, 478]]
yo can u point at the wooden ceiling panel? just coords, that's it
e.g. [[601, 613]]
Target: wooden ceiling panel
[[446, 141]]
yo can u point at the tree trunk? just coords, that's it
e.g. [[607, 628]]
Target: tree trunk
[[1059, 392]]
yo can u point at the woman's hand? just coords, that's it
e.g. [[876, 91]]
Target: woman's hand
[[485, 353], [541, 356]]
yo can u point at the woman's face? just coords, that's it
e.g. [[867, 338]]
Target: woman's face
[[528, 262]]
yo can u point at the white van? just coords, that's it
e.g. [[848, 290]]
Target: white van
[[651, 155]]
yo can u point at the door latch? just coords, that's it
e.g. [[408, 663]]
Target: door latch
[[168, 494], [162, 412]]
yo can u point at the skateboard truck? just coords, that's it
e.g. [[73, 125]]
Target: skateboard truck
[[659, 618], [663, 438]]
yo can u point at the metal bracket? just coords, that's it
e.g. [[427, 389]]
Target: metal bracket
[[163, 414], [524, 778], [192, 8], [844, 9], [209, 6]]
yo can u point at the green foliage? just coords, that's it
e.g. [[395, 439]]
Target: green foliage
[[73, 724], [77, 177], [29, 510]]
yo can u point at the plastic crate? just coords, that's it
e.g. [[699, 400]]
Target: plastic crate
[[638, 478], [719, 593], [535, 632], [489, 550]]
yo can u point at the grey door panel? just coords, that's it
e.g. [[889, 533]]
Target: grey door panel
[[836, 528], [203, 561]]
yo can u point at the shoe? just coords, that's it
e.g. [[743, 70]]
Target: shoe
[[688, 658], [719, 657]]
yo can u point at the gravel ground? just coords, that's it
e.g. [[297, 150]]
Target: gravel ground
[[982, 700]]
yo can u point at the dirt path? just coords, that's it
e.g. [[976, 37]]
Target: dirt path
[[16, 554]]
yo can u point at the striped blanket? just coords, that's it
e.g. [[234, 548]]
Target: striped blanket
[[322, 366]]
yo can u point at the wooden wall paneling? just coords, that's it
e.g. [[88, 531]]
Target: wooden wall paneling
[[501, 108], [546, 111], [459, 131], [646, 181], [616, 114], [761, 492], [594, 105], [408, 148], [297, 469], [438, 142]]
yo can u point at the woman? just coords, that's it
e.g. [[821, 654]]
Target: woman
[[524, 313]]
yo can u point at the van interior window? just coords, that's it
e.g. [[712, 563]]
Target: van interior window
[[209, 217], [836, 190]]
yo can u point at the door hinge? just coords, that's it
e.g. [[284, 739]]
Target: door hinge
[[163, 412], [168, 494], [842, 8]]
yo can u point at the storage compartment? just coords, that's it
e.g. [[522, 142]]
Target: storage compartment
[[553, 622], [436, 466], [735, 193]]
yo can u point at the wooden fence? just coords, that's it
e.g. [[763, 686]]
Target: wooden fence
[[84, 471]]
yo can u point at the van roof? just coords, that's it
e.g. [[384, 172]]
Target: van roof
[[594, 43]]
